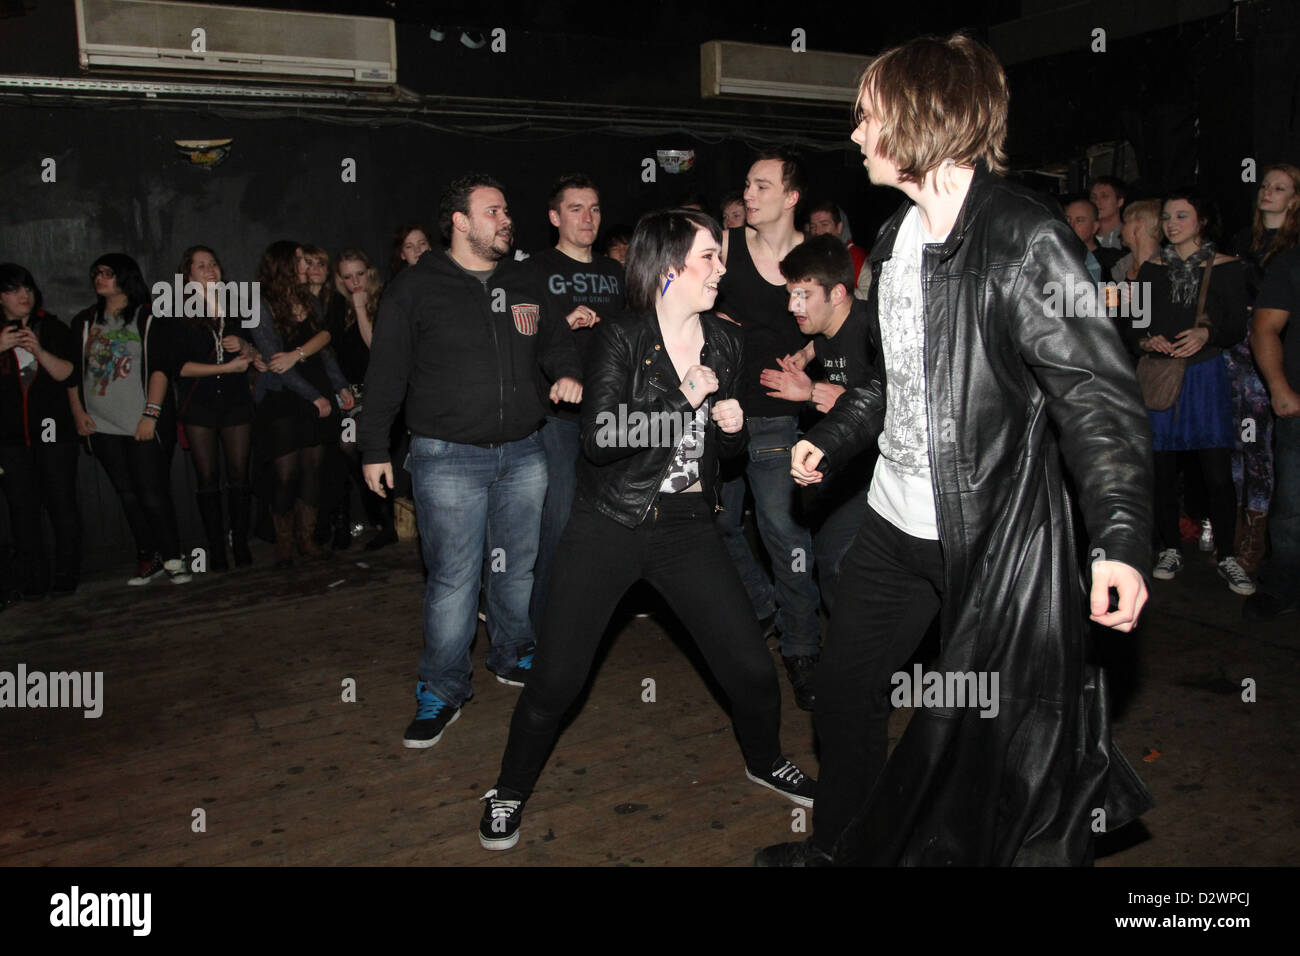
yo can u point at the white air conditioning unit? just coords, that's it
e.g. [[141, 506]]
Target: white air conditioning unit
[[776, 72], [204, 38]]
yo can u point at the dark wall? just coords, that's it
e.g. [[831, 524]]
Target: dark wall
[[122, 185]]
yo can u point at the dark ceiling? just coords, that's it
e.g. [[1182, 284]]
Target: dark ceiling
[[851, 26]]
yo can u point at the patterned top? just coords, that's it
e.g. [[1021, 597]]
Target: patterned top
[[901, 490], [685, 469]]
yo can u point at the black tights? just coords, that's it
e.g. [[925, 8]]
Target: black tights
[[235, 441], [1220, 494], [297, 476]]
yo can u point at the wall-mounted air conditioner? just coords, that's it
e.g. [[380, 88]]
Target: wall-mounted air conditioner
[[775, 72], [200, 37]]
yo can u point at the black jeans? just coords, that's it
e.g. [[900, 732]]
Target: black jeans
[[36, 477], [1215, 465], [678, 551], [890, 588], [141, 475]]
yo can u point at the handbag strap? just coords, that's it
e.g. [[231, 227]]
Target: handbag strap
[[1205, 290]]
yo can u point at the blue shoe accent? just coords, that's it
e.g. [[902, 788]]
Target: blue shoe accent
[[526, 662], [428, 704]]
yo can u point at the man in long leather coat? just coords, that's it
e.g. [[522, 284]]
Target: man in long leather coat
[[987, 380]]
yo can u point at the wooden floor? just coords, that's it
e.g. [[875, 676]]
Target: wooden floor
[[226, 695]]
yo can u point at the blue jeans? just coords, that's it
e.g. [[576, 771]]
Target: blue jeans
[[788, 542], [467, 500], [1280, 575], [562, 441]]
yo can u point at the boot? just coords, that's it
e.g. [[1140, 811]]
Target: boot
[[209, 502], [239, 501], [1252, 537], [305, 528], [283, 538]]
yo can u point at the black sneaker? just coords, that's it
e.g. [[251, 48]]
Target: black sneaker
[[503, 811], [518, 675], [800, 670], [787, 779], [433, 715], [802, 853]]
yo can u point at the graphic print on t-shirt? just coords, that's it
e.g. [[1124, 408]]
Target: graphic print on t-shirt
[[109, 356], [903, 441], [685, 469]]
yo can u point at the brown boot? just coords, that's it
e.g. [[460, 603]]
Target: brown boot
[[283, 539], [305, 529], [1252, 537]]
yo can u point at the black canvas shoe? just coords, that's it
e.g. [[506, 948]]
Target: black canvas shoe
[[786, 779], [802, 853], [503, 811], [800, 670], [433, 715], [518, 675]]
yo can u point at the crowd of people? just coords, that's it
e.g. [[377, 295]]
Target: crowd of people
[[776, 345]]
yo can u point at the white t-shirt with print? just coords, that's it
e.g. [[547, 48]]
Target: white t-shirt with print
[[901, 491]]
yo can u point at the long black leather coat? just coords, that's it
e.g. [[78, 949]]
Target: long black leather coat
[[1013, 387], [630, 367]]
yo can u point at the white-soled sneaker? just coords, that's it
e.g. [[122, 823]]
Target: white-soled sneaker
[[1168, 564], [177, 572], [499, 828], [1238, 580], [788, 780]]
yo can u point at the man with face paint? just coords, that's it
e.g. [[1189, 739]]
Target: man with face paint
[[459, 338]]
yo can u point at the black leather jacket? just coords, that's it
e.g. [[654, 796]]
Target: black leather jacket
[[1013, 387], [629, 375]]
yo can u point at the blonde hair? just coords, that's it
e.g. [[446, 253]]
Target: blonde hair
[[937, 99], [1148, 210], [373, 286]]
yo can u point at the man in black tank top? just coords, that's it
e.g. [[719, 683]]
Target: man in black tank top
[[772, 192]]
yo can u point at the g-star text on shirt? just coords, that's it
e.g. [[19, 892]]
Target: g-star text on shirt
[[582, 283]]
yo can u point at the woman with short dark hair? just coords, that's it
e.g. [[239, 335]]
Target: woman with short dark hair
[[657, 413], [38, 441]]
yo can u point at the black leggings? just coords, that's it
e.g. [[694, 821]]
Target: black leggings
[[141, 475], [678, 551], [296, 477], [1215, 465], [235, 441]]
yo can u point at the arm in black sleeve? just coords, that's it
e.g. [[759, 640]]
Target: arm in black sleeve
[[1225, 304], [608, 383], [557, 351], [392, 356], [1092, 396]]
